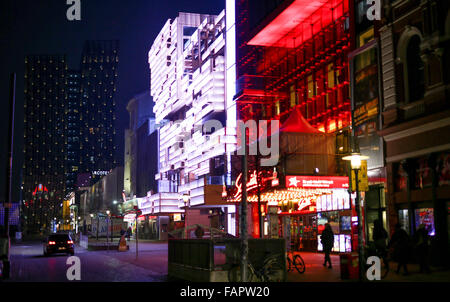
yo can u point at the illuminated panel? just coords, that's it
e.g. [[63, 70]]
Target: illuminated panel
[[326, 182], [287, 21]]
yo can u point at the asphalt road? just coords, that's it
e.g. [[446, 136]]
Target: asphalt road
[[29, 265]]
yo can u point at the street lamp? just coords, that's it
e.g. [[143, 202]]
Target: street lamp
[[355, 163], [355, 160], [186, 199], [108, 213]]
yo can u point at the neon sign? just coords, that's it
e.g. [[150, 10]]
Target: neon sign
[[252, 183], [303, 203], [101, 173]]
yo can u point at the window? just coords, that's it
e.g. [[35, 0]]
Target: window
[[415, 70]]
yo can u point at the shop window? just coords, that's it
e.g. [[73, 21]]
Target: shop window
[[400, 178], [425, 216], [403, 220], [423, 177], [443, 168]]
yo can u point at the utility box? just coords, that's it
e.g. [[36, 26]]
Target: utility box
[[349, 266]]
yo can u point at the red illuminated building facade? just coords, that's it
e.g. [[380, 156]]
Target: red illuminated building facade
[[293, 66]]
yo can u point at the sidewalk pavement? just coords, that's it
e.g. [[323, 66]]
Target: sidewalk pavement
[[316, 272], [152, 255]]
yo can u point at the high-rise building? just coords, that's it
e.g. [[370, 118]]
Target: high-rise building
[[45, 149], [140, 110], [187, 64], [73, 132], [99, 73], [69, 127]]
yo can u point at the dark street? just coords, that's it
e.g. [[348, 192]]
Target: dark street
[[29, 265]]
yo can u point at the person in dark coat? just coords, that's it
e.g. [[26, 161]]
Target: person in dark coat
[[400, 244], [199, 232], [129, 232], [327, 240], [421, 239], [380, 237]]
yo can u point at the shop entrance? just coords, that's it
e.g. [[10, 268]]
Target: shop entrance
[[375, 209], [303, 232]]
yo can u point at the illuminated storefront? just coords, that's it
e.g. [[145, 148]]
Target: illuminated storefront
[[328, 201], [302, 205]]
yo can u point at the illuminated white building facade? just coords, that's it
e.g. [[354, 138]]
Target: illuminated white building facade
[[188, 84]]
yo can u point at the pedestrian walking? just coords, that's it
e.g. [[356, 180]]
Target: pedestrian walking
[[129, 232], [421, 240], [380, 238], [327, 240], [400, 244]]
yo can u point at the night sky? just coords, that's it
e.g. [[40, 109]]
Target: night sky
[[30, 27]]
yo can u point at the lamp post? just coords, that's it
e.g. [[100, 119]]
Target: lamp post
[[186, 204], [98, 224], [92, 216], [108, 213], [243, 213], [355, 163]]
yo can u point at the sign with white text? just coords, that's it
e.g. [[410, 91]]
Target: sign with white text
[[325, 182]]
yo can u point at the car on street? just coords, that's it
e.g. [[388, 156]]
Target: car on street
[[58, 243]]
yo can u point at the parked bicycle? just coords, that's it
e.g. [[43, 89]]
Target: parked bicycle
[[295, 261], [270, 271]]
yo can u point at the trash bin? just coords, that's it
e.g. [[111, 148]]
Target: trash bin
[[349, 266], [344, 259]]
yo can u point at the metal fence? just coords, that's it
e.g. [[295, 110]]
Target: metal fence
[[209, 256]]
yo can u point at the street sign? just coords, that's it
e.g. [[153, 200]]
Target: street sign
[[362, 178]]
